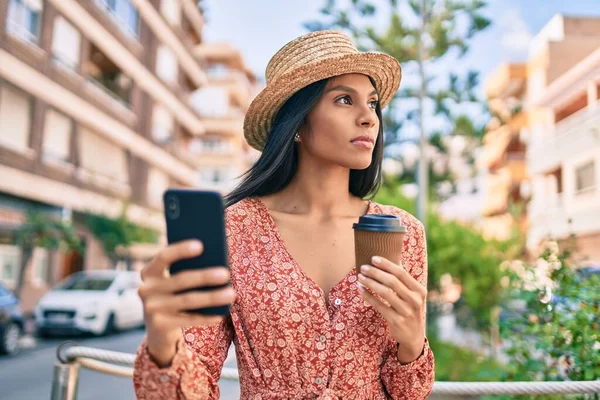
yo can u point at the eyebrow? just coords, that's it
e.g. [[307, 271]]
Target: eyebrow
[[348, 89]]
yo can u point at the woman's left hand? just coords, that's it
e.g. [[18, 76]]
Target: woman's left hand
[[405, 310]]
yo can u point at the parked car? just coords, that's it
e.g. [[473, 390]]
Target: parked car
[[11, 321], [94, 301]]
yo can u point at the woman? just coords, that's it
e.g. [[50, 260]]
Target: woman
[[303, 324]]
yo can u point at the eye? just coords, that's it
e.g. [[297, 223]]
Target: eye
[[374, 104], [346, 98]]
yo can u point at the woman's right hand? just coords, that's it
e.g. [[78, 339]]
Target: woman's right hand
[[165, 310]]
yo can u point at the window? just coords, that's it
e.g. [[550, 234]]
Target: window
[[66, 44], [24, 19], [585, 177], [211, 102], [41, 265], [83, 282], [209, 145], [15, 118], [162, 125], [57, 136], [215, 175], [124, 13], [10, 258], [166, 64], [94, 152]]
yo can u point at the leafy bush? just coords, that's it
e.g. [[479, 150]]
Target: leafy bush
[[115, 232], [556, 335], [457, 364], [461, 251]]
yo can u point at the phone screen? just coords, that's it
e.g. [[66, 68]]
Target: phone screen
[[200, 215]]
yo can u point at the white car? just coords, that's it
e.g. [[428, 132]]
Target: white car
[[94, 301]]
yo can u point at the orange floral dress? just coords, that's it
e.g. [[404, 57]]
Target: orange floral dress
[[290, 342]]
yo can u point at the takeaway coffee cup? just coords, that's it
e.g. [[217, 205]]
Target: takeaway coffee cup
[[378, 235]]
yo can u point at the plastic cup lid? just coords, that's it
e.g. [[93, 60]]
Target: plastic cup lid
[[379, 223]]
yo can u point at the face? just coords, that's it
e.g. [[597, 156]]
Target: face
[[342, 127]]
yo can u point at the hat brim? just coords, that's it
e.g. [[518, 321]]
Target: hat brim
[[385, 71]]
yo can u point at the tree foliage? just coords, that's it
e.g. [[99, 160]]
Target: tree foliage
[[438, 26], [461, 251], [116, 232], [42, 230]]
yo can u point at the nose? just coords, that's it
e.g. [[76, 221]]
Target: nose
[[367, 117]]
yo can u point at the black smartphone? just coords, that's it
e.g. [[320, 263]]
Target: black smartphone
[[195, 214]]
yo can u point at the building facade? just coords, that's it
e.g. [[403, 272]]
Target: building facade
[[563, 154], [106, 103], [503, 155]]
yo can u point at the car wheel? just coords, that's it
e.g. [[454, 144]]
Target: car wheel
[[110, 327], [10, 339]]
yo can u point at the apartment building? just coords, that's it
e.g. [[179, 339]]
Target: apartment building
[[503, 155], [105, 103], [563, 156]]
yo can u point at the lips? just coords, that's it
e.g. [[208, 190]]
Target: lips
[[363, 138], [364, 142]]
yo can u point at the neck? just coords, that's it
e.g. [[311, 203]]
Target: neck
[[319, 191]]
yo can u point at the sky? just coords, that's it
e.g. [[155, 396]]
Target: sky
[[259, 28]]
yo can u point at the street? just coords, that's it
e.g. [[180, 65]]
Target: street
[[28, 375]]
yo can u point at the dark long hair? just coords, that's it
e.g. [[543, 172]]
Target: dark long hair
[[278, 162]]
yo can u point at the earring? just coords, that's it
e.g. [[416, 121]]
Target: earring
[[297, 137]]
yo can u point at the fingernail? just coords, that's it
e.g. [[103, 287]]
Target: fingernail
[[195, 246], [376, 260], [221, 274], [361, 287], [364, 268], [361, 277]]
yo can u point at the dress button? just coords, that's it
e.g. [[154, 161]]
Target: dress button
[[318, 381], [337, 302], [322, 338]]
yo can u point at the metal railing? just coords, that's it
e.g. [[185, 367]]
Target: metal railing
[[71, 359]]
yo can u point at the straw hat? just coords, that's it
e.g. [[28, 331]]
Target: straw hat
[[308, 59]]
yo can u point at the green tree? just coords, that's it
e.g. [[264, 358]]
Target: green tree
[[116, 232], [42, 230], [421, 32], [477, 270]]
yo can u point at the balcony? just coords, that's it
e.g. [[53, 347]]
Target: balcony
[[515, 162], [498, 191], [508, 80], [576, 134], [558, 217], [495, 144], [552, 204], [109, 97], [91, 90], [106, 183]]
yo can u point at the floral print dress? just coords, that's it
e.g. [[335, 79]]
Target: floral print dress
[[290, 342]]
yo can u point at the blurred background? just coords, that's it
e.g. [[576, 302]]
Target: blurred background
[[493, 142]]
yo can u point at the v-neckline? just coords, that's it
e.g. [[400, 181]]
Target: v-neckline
[[271, 222]]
